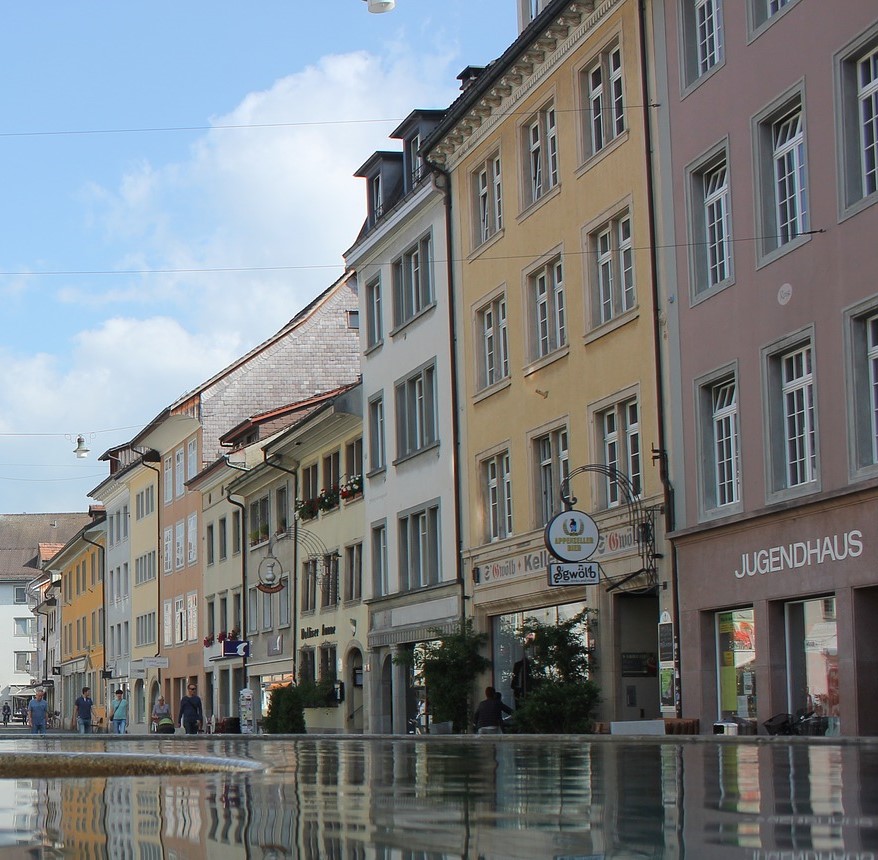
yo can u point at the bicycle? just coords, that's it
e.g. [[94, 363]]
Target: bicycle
[[53, 720]]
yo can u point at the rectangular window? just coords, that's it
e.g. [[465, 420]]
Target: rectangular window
[[735, 661], [497, 479], [169, 480], [552, 467], [377, 456], [419, 548], [309, 585], [281, 509], [179, 620], [548, 310], [179, 472], [380, 572], [236, 532], [711, 224], [762, 12], [24, 626], [192, 539], [718, 443], [20, 594], [168, 550], [862, 332], [376, 196], [857, 96], [258, 522], [416, 412], [328, 663], [307, 665], [168, 623], [191, 459], [413, 281], [267, 611], [413, 162], [604, 97], [209, 544], [619, 429], [331, 471], [374, 321], [353, 460], [612, 253], [179, 544], [24, 660], [283, 604], [222, 538], [791, 433], [310, 482], [488, 193], [782, 177], [495, 342], [353, 572], [329, 582], [252, 610], [541, 151]]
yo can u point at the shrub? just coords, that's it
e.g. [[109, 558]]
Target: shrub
[[286, 712]]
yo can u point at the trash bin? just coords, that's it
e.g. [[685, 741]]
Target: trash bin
[[232, 725]]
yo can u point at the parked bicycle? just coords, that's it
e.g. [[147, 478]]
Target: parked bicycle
[[800, 723]]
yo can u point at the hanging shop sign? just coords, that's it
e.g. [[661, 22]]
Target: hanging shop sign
[[585, 573], [572, 536]]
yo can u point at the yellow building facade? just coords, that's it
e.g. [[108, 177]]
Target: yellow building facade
[[546, 155]]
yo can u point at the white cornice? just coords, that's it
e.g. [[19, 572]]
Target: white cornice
[[534, 65]]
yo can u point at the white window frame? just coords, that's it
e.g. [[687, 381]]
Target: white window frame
[[374, 320], [548, 311], [603, 94], [610, 247], [493, 334], [192, 538], [169, 479], [377, 434], [763, 13], [378, 553], [711, 249], [619, 441], [353, 579], [309, 585], [861, 350], [551, 459], [417, 417], [179, 544], [719, 443], [497, 482], [487, 182], [702, 39], [413, 282], [856, 93], [791, 437], [419, 531], [191, 459], [781, 159], [540, 144], [179, 472]]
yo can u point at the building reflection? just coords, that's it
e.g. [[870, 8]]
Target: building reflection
[[397, 799]]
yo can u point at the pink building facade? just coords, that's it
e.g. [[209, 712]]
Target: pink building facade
[[767, 128]]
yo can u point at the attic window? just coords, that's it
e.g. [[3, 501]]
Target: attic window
[[353, 320]]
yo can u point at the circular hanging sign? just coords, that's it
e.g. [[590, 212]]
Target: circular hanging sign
[[572, 536]]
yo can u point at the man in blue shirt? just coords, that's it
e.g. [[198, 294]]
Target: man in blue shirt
[[191, 714], [82, 711], [37, 710]]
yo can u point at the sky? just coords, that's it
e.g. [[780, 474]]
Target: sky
[[176, 182]]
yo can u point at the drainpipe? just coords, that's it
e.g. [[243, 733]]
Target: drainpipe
[[294, 573], [443, 184], [661, 454], [158, 550]]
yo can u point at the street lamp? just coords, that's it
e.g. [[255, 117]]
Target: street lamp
[[379, 6], [81, 450]]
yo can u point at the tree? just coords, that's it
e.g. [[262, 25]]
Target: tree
[[560, 698], [450, 665], [286, 708]]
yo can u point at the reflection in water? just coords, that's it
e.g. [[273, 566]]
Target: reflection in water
[[463, 798]]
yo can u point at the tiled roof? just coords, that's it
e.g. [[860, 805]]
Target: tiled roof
[[26, 540]]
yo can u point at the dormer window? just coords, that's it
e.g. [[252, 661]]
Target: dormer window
[[414, 163], [376, 197], [528, 10]]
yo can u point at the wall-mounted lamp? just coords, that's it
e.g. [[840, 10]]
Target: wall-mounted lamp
[[477, 575], [379, 6]]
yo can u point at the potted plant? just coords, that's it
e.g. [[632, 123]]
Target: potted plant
[[328, 499], [352, 488], [208, 640], [306, 509], [221, 636], [234, 635]]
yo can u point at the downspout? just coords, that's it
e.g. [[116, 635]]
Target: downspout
[[294, 573], [444, 186], [661, 454], [245, 549], [158, 554]]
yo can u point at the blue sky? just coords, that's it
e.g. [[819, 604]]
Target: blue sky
[[176, 183]]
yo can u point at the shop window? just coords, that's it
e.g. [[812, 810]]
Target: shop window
[[736, 654], [812, 661]]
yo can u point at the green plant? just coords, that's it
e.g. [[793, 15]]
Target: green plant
[[286, 713], [451, 664], [306, 509], [560, 698], [328, 499]]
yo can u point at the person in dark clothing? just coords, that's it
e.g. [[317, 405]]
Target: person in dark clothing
[[488, 718], [190, 714]]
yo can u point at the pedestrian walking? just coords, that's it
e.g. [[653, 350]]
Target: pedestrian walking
[[190, 713], [82, 712], [488, 718], [162, 721], [7, 713], [37, 710], [119, 713]]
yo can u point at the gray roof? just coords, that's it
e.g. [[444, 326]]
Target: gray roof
[[23, 535]]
